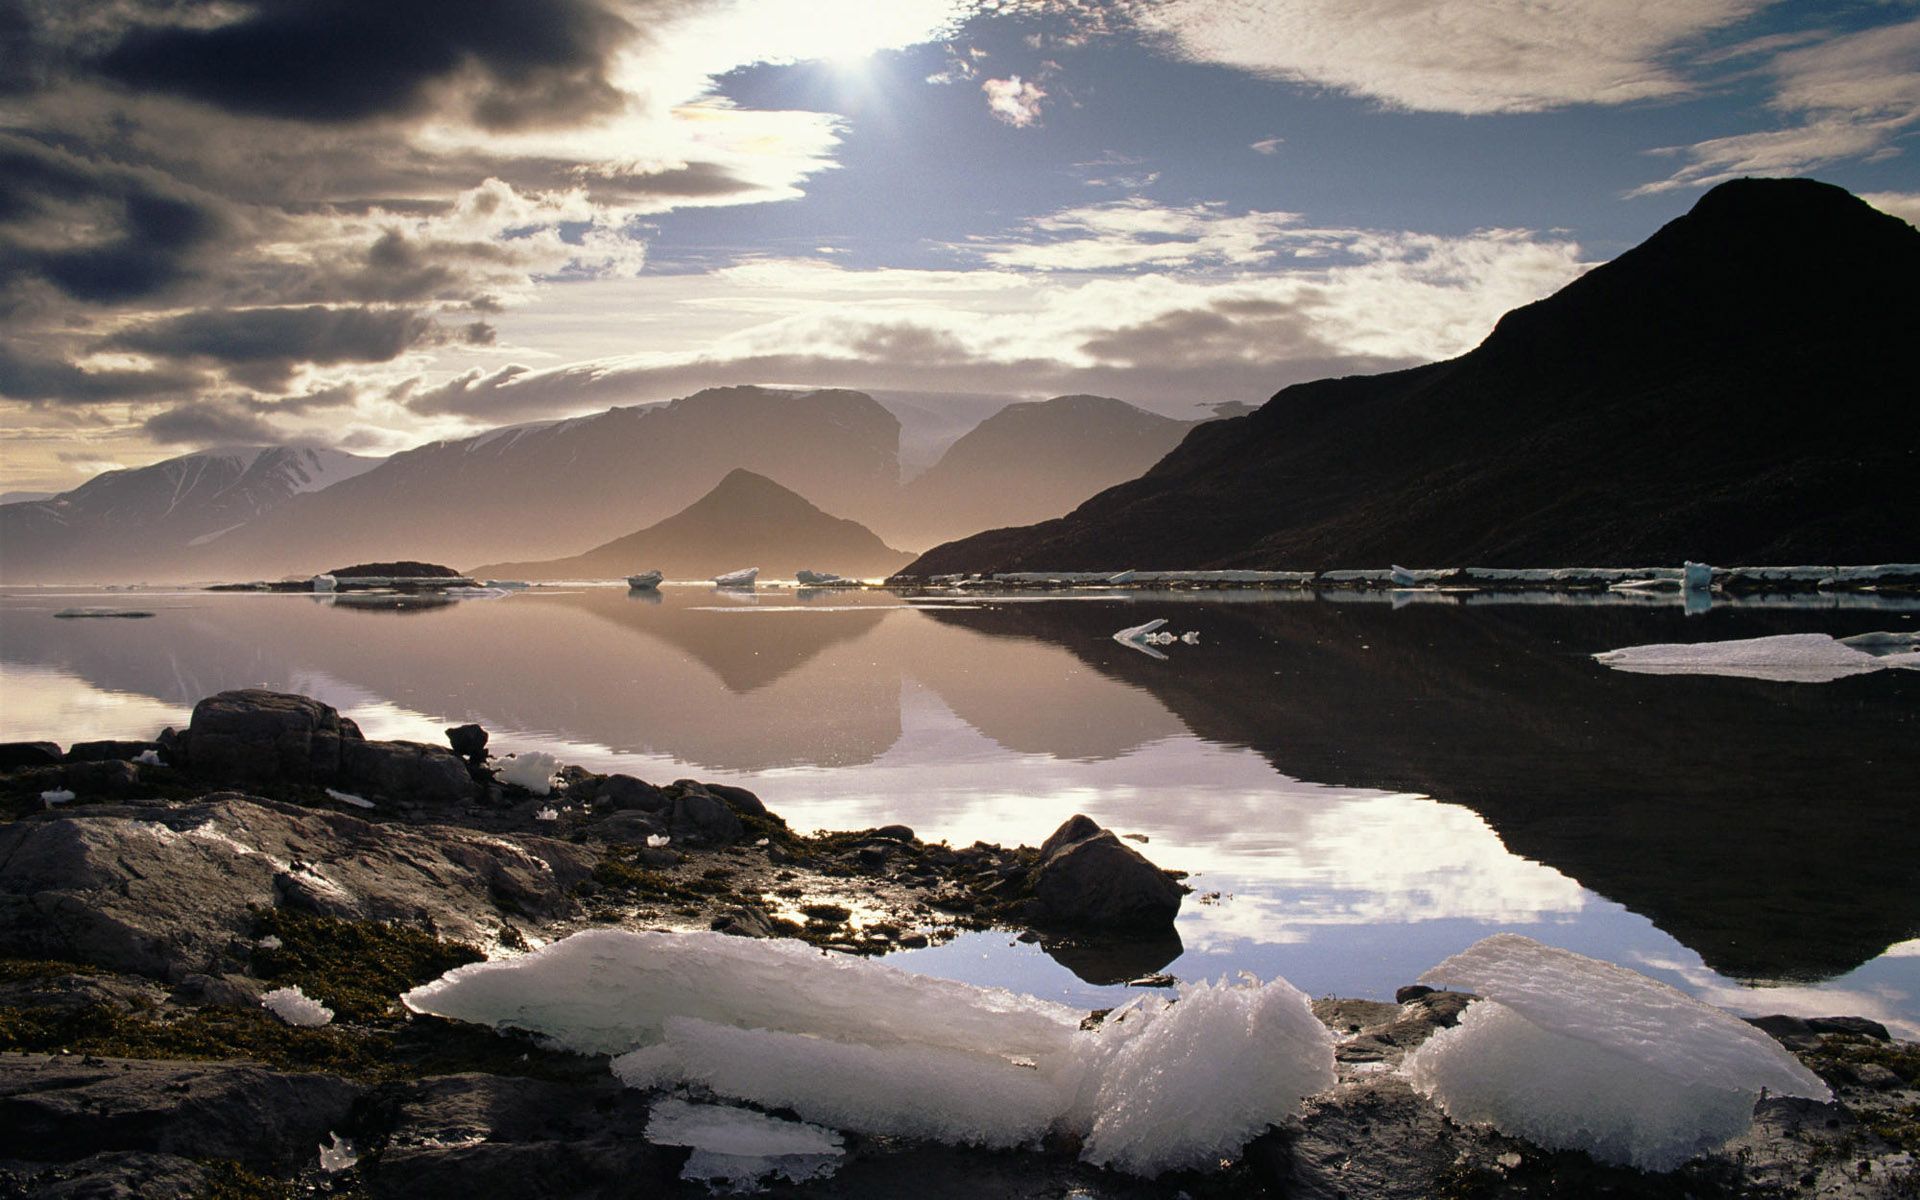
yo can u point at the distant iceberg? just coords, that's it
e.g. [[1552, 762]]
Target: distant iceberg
[[645, 580], [744, 577], [818, 578], [1784, 658]]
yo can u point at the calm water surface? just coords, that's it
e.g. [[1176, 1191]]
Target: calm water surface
[[1359, 787]]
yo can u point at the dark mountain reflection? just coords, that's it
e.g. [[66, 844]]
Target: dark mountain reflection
[[1767, 826]]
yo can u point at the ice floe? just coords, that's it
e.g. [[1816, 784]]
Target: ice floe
[[530, 769], [818, 578], [861, 1046], [742, 578], [735, 1149], [1783, 658], [1578, 1054]]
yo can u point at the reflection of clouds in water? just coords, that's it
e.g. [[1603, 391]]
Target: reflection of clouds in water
[[1371, 860], [51, 706], [1881, 1002]]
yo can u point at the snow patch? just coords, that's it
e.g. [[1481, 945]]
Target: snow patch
[[55, 796], [1578, 1054], [295, 1007]]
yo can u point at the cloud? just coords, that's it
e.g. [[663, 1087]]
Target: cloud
[[1905, 205], [270, 342], [1267, 145], [35, 378], [1849, 97], [1165, 337], [508, 64], [1450, 55], [210, 423], [1136, 232], [1014, 100]]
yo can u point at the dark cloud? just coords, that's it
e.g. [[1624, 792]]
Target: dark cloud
[[209, 423], [39, 379], [337, 61], [98, 233], [314, 334]]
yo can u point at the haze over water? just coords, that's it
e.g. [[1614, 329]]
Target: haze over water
[[1359, 789]]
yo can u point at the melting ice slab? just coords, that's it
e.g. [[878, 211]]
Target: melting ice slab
[[1786, 658], [736, 1148], [857, 1045], [1578, 1054]]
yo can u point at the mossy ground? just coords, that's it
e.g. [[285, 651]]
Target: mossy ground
[[356, 968]]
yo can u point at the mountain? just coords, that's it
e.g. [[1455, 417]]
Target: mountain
[[1732, 390], [142, 522], [747, 520], [1028, 462], [547, 489]]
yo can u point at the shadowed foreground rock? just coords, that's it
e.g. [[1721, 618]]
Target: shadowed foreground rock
[[1088, 877], [162, 891], [251, 737]]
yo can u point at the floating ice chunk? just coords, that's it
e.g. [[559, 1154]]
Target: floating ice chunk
[[1698, 577], [149, 758], [532, 770], [337, 1154], [1183, 1085], [349, 798], [1402, 576], [744, 577], [1578, 1054], [857, 1045], [1883, 644], [1140, 637], [1191, 637], [734, 1148], [1127, 576], [325, 583], [1784, 658], [899, 1089], [55, 796], [606, 991], [818, 578], [295, 1007]]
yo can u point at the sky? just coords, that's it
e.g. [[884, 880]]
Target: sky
[[370, 224]]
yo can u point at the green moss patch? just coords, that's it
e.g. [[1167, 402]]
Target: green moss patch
[[356, 968]]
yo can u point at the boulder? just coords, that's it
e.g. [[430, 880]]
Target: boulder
[[406, 771], [111, 777], [253, 736], [103, 751], [64, 1108], [699, 817], [166, 892], [742, 800], [1088, 877], [626, 792], [630, 828], [115, 1175], [469, 742], [14, 755]]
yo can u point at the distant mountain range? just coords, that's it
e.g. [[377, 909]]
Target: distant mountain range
[[1737, 389], [747, 520], [123, 525], [539, 491], [1028, 462]]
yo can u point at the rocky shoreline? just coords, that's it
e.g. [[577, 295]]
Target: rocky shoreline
[[152, 893]]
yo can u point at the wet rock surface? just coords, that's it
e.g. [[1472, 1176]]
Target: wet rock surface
[[1087, 876]]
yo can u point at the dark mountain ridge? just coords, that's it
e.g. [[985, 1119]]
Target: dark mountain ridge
[[1736, 389], [747, 520]]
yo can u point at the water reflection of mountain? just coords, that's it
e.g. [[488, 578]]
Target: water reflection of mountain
[[1767, 826], [693, 678]]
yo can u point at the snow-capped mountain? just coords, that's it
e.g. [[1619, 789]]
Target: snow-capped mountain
[[139, 522]]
